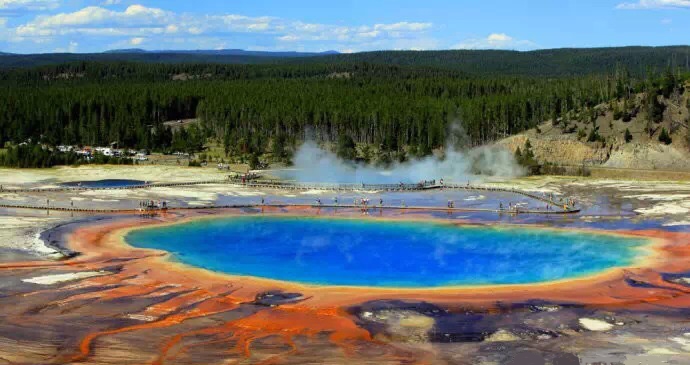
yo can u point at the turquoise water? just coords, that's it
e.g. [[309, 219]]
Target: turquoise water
[[386, 253], [107, 183]]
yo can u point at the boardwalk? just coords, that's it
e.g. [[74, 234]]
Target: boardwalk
[[558, 207], [368, 208]]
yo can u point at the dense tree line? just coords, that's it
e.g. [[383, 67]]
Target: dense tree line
[[561, 62], [539, 63], [106, 72], [255, 109]]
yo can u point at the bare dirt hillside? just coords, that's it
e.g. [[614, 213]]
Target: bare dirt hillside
[[570, 142]]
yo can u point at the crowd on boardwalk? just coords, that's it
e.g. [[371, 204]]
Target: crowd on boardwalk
[[364, 203], [552, 203], [153, 205]]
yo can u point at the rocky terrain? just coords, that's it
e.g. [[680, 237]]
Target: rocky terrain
[[568, 143]]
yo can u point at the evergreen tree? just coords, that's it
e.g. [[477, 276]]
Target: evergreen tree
[[628, 136], [665, 137], [346, 147]]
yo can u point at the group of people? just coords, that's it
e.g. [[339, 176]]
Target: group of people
[[429, 183], [244, 177], [511, 206], [568, 203], [361, 202], [423, 183], [152, 204]]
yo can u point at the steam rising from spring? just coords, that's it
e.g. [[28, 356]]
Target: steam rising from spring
[[313, 164]]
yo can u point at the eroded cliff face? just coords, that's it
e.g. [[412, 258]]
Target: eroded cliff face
[[568, 152], [558, 150], [566, 142]]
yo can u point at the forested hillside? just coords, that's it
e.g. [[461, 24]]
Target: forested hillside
[[380, 105], [8, 61], [550, 62], [259, 109]]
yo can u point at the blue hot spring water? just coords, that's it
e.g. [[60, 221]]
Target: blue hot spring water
[[386, 253], [107, 183]]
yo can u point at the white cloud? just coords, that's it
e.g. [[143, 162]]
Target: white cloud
[[142, 20], [137, 41], [5, 34], [498, 38], [71, 48], [403, 26], [134, 15], [110, 2], [655, 4], [495, 41], [94, 20], [324, 32], [288, 38], [28, 4], [159, 26]]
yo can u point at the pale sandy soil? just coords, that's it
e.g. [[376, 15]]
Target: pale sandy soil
[[656, 199], [21, 233], [62, 278], [15, 177], [596, 325]]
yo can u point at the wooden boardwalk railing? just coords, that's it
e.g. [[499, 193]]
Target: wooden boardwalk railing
[[315, 206], [560, 207]]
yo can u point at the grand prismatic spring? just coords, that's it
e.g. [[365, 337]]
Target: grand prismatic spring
[[232, 272], [362, 252]]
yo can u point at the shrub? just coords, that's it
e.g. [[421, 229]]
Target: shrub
[[628, 135], [664, 137], [594, 136]]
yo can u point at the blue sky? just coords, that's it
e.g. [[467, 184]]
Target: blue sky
[[39, 26]]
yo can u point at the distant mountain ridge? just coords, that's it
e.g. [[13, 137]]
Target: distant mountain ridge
[[226, 52], [126, 50], [546, 62], [223, 56], [561, 62]]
